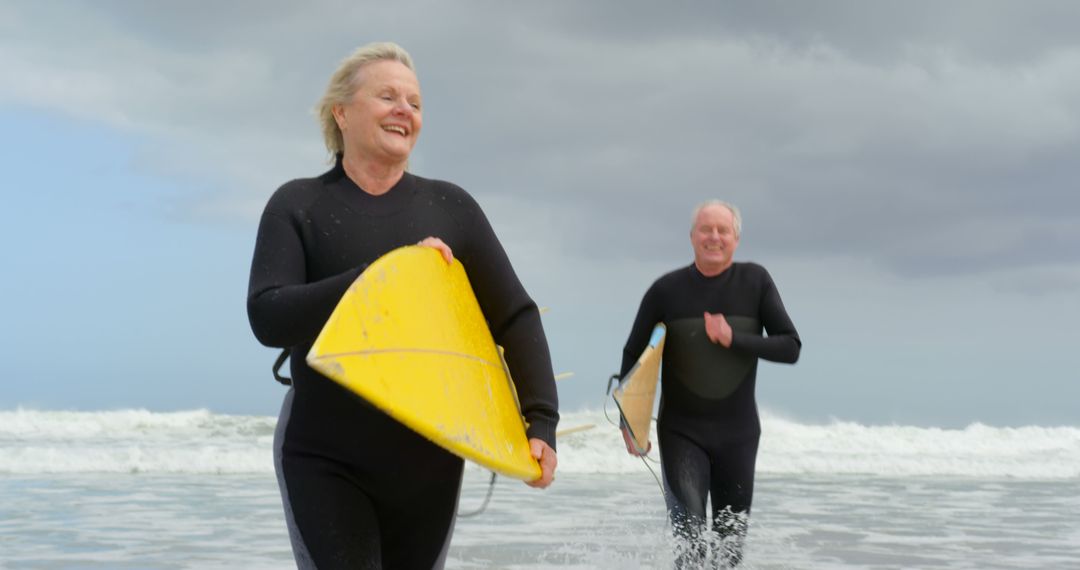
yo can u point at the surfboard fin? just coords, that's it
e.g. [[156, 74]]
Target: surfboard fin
[[575, 429]]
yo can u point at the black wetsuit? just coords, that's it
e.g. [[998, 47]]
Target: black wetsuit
[[359, 489], [708, 427]]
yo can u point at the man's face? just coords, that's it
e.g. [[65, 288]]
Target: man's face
[[714, 239]]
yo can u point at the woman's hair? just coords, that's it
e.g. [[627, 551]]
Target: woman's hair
[[343, 84]]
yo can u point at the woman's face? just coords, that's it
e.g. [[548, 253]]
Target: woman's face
[[383, 119]]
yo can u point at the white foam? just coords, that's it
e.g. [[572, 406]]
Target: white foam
[[838, 447], [1031, 452], [199, 441], [131, 441]]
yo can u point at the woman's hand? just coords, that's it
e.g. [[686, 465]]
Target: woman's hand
[[544, 455], [438, 244]]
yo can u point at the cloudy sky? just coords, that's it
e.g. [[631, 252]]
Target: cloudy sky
[[908, 173]]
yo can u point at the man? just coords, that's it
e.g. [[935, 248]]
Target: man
[[708, 429]]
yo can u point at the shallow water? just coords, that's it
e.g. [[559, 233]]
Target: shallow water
[[210, 521]]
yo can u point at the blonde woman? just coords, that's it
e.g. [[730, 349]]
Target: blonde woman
[[361, 490]]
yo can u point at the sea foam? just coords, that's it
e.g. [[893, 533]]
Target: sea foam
[[200, 441]]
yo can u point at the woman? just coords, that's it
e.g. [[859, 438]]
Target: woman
[[354, 500]]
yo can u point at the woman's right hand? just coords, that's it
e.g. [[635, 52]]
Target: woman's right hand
[[440, 245]]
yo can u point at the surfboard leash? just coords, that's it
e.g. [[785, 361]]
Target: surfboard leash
[[487, 499], [277, 367], [645, 461]]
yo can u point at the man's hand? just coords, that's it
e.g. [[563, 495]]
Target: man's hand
[[718, 329], [543, 454], [439, 245], [629, 441]]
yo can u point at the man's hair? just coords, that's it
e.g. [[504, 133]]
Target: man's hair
[[731, 207]]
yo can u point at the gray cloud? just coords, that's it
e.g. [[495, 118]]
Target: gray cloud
[[931, 139], [906, 171]]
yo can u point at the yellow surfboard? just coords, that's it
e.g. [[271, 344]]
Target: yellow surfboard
[[409, 337], [636, 392]]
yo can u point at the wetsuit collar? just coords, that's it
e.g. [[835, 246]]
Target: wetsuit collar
[[699, 275]]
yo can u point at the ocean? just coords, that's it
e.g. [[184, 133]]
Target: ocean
[[130, 489]]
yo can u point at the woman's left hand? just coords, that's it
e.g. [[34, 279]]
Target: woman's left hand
[[440, 245], [544, 455]]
